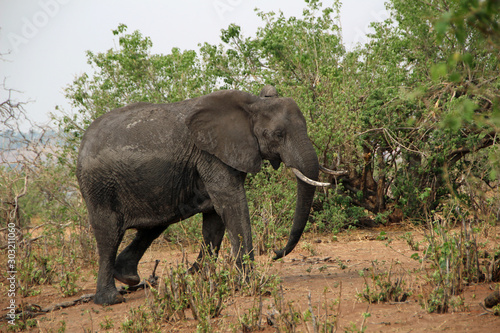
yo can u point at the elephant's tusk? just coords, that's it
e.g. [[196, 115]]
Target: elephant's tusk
[[331, 172], [309, 181]]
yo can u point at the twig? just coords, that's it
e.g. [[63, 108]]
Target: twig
[[315, 324], [485, 309], [364, 319]]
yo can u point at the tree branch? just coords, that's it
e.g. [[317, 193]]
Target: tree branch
[[485, 142]]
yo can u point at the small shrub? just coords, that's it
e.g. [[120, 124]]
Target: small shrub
[[107, 324], [33, 270], [335, 212], [23, 324], [408, 237], [284, 315], [454, 258], [140, 320], [68, 283], [202, 293], [383, 287]]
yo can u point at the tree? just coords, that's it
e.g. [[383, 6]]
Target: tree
[[21, 157], [431, 110]]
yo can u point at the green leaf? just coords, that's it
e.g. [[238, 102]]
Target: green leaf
[[455, 77], [468, 59], [465, 110], [442, 25], [439, 71]]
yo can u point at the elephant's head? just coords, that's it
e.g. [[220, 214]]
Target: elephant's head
[[242, 129]]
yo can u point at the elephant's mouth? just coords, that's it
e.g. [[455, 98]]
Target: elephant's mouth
[[275, 163]]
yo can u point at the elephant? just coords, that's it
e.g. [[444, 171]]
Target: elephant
[[146, 166]]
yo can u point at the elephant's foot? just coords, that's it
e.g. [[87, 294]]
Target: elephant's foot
[[108, 298], [130, 279]]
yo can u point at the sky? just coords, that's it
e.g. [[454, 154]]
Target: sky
[[43, 42]]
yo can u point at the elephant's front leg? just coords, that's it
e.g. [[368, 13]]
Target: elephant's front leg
[[227, 192], [237, 220]]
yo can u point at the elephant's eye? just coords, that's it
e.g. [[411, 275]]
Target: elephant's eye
[[279, 134]]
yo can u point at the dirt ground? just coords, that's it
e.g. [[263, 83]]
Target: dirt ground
[[325, 267]]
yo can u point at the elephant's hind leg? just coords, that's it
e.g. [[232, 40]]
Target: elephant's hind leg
[[108, 236], [125, 269], [213, 233]]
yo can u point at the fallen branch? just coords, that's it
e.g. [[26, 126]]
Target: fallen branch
[[34, 310]]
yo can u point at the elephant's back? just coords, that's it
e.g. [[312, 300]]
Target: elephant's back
[[139, 123], [138, 127], [133, 134]]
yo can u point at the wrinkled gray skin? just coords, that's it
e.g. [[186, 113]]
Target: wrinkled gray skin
[[146, 166]]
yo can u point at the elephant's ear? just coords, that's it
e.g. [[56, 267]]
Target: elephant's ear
[[221, 125]]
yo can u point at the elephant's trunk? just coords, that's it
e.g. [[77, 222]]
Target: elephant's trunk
[[307, 164]]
